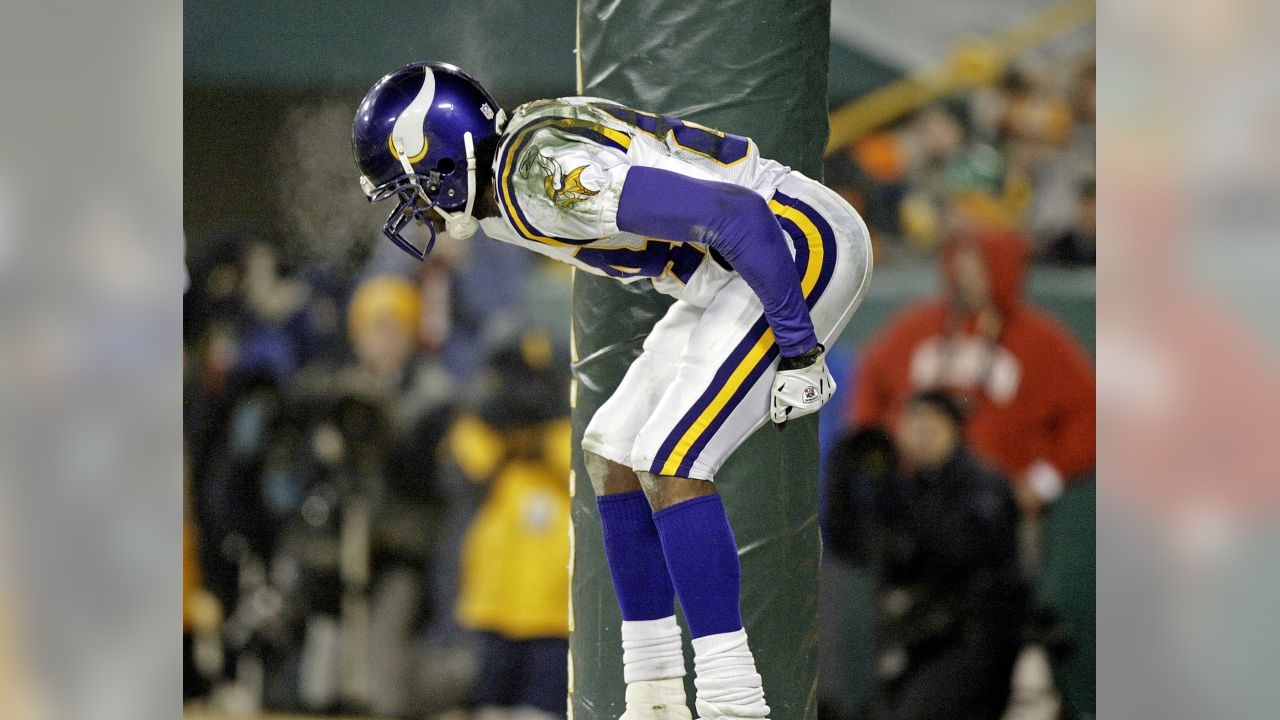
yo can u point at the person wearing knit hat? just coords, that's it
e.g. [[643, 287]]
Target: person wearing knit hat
[[953, 406], [382, 322]]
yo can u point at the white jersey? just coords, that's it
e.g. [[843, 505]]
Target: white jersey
[[559, 172], [701, 384]]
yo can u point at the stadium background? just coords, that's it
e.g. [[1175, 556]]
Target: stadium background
[[268, 94]]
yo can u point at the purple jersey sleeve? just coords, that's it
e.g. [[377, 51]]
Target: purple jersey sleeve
[[735, 222]]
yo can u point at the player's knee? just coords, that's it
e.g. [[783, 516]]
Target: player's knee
[[597, 470], [607, 476], [663, 491]]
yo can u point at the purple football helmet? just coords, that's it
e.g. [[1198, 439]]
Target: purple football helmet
[[416, 136]]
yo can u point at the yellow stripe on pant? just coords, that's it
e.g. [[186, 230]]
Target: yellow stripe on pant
[[813, 270]]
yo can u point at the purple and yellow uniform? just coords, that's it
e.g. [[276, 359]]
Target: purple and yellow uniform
[[762, 261]]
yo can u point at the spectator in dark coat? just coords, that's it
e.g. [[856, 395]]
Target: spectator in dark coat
[[939, 535]]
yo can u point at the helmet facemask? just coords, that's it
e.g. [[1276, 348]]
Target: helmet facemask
[[418, 197]]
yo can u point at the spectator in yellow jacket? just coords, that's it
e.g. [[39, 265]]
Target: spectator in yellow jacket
[[515, 555]]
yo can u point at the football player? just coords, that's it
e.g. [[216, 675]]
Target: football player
[[766, 266]]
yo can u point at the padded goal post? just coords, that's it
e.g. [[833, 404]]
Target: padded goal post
[[757, 69]]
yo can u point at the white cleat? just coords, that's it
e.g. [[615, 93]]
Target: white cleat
[[656, 700]]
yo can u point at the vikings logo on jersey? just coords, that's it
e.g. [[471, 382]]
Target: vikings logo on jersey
[[564, 189]]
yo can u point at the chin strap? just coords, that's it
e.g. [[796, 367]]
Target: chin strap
[[461, 225]]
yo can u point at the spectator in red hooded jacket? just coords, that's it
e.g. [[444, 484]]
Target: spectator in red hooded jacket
[[1029, 384]]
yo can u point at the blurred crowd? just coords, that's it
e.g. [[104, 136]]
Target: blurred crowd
[[960, 480], [962, 486], [355, 443], [1016, 154]]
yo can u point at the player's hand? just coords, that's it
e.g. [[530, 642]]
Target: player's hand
[[802, 385]]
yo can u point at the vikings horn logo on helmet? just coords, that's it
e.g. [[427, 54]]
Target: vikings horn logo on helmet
[[407, 137]]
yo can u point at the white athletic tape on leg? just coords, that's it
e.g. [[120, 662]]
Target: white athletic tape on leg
[[727, 682], [651, 650]]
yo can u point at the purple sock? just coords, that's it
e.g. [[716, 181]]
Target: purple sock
[[702, 558], [636, 562]]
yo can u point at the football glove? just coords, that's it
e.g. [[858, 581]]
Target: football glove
[[801, 386]]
